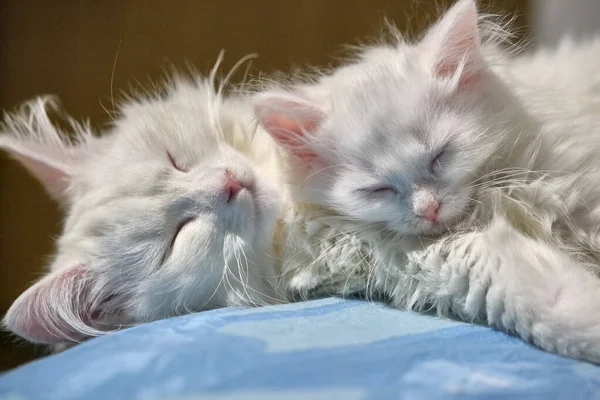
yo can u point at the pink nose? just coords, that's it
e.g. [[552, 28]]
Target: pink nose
[[232, 186], [430, 213]]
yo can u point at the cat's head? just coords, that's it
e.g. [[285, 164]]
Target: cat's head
[[399, 137], [165, 214]]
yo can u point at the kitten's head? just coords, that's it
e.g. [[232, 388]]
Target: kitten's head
[[165, 214], [398, 138]]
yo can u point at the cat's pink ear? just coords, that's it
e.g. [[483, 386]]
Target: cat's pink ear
[[31, 138], [61, 307], [453, 43], [290, 120]]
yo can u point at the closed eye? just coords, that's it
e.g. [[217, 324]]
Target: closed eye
[[436, 164], [380, 190], [178, 231], [175, 164]]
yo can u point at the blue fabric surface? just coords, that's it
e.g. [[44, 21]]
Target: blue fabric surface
[[323, 349]]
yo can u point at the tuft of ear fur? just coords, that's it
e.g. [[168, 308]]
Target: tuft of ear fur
[[454, 42], [31, 138], [289, 120], [64, 306]]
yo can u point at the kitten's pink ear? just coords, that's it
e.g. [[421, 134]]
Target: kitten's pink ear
[[31, 138], [61, 307], [290, 120], [453, 43]]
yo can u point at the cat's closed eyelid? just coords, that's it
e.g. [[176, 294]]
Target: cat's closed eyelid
[[175, 164], [436, 162], [379, 190], [176, 233]]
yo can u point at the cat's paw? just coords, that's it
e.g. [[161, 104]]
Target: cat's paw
[[303, 282]]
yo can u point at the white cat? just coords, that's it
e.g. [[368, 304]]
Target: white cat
[[172, 210], [422, 176]]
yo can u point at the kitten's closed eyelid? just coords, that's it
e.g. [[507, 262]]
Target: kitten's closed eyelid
[[435, 162], [380, 190], [176, 234], [175, 164]]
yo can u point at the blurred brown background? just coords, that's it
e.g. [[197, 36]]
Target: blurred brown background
[[68, 48]]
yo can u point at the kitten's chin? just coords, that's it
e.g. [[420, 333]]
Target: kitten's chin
[[434, 229], [442, 227]]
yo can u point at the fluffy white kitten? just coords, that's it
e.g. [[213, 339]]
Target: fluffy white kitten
[[422, 176], [171, 211]]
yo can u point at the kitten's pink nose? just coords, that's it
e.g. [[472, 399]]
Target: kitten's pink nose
[[430, 213], [232, 186]]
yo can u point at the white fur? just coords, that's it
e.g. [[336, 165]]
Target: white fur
[[518, 225], [114, 265], [556, 83]]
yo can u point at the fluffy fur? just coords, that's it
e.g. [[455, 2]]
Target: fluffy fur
[[171, 210], [422, 174]]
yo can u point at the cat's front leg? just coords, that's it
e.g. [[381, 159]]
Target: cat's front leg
[[529, 289]]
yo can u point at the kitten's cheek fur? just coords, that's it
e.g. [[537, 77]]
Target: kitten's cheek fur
[[454, 207]]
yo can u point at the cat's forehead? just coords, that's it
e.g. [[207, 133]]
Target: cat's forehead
[[386, 90], [389, 118], [396, 133], [135, 157], [165, 127], [391, 101], [382, 150]]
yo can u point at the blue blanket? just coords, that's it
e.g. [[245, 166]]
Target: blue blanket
[[325, 349]]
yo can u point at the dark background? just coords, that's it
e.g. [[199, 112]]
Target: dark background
[[68, 48]]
